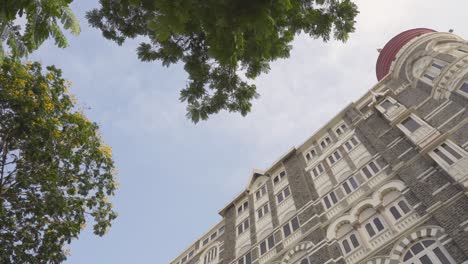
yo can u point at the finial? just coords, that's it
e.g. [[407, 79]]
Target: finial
[[451, 30]]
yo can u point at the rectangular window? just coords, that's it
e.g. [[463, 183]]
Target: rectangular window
[[447, 153], [263, 210], [246, 259], [281, 196], [279, 177], [325, 142], [291, 226], [341, 129], [243, 207], [386, 104], [333, 158], [428, 76], [330, 199], [464, 88], [205, 241], [213, 235], [350, 185], [267, 244], [243, 227], [311, 154], [318, 170], [221, 230], [262, 191], [411, 124], [435, 65], [370, 169]]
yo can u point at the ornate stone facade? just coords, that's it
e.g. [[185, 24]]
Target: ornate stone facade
[[385, 181]]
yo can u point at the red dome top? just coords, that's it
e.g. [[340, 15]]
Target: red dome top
[[389, 52]]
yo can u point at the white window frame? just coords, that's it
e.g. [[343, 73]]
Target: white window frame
[[244, 258], [263, 210], [283, 194], [370, 169], [261, 191], [416, 120], [244, 226], [211, 255], [332, 159], [371, 222], [243, 207], [432, 71], [340, 129], [352, 144], [290, 225], [269, 244], [351, 245], [428, 251], [311, 154], [280, 177], [316, 171], [458, 150], [325, 141], [460, 91], [349, 183], [396, 204], [329, 197]]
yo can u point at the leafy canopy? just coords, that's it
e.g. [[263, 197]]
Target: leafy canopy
[[222, 43], [41, 21], [55, 172]]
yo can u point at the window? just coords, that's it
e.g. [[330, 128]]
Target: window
[[311, 154], [399, 209], [351, 143], [213, 236], [325, 142], [221, 230], [265, 209], [427, 252], [370, 169], [447, 153], [184, 259], [211, 255], [281, 196], [267, 244], [190, 254], [305, 261], [290, 227], [411, 124], [374, 227], [205, 241], [464, 88], [341, 129], [349, 243], [246, 259], [243, 207], [386, 104], [318, 170], [330, 199], [435, 65], [262, 191], [333, 158], [434, 70], [279, 177], [350, 185], [243, 227]]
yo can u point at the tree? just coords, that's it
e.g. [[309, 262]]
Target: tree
[[41, 22], [222, 43], [55, 172]]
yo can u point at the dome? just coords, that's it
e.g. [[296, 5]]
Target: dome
[[389, 52]]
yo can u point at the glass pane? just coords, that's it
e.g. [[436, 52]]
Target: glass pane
[[241, 261], [337, 155], [404, 207], [262, 248], [271, 242], [327, 202], [410, 124], [286, 230], [429, 77], [346, 188], [437, 66], [331, 159], [370, 230], [464, 87], [315, 172], [348, 146], [295, 223], [346, 246], [374, 167], [333, 197], [443, 156], [354, 141], [425, 260], [395, 213], [353, 182], [248, 259], [246, 224], [354, 241], [378, 224], [441, 256], [407, 256], [322, 144], [328, 140], [427, 243], [386, 104], [266, 209], [286, 192], [279, 197], [239, 229], [450, 150], [367, 172], [417, 248], [320, 167], [305, 261], [260, 213]]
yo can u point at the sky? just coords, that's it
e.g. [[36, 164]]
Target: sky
[[174, 175]]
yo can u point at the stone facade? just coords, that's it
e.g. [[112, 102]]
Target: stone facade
[[385, 181]]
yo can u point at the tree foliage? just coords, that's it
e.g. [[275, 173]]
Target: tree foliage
[[42, 19], [55, 172], [222, 43]]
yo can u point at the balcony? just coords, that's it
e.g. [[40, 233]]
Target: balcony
[[356, 255], [269, 255], [292, 238], [406, 222]]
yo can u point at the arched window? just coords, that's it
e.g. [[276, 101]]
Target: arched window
[[399, 209], [374, 226], [211, 256], [305, 261], [349, 240], [427, 252]]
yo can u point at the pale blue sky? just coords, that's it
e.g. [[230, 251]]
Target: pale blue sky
[[174, 175]]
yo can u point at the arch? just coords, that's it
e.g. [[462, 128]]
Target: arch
[[287, 215], [265, 232], [303, 246], [217, 244], [435, 232], [333, 227], [362, 205], [394, 185]]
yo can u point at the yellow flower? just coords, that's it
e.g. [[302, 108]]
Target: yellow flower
[[50, 76], [106, 150]]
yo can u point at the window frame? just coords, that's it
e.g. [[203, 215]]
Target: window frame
[[332, 199], [370, 169], [352, 145], [316, 170], [243, 207], [372, 223], [332, 159], [269, 242], [350, 242], [245, 225], [445, 154], [341, 129], [244, 258], [290, 226], [415, 121], [261, 191], [264, 210], [349, 182], [282, 193], [279, 177]]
